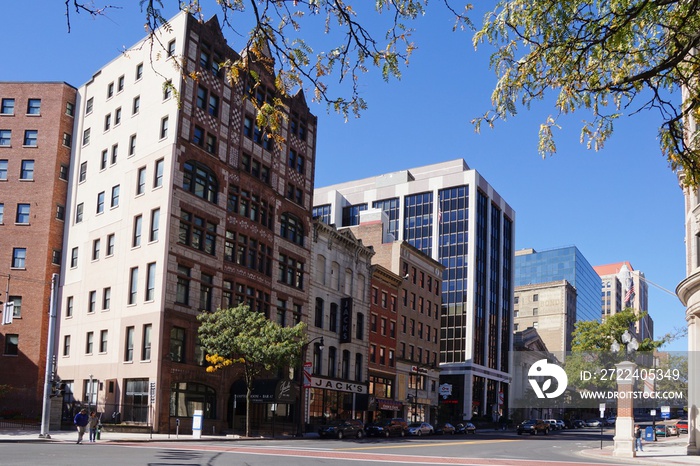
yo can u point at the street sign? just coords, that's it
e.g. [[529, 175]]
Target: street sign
[[665, 412]]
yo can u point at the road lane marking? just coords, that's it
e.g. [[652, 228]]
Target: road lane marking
[[419, 445]]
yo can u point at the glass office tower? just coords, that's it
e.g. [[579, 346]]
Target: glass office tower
[[567, 263], [450, 213]]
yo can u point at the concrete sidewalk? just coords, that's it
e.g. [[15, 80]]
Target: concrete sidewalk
[[661, 452], [664, 451]]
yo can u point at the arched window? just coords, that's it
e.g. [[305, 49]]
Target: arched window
[[200, 181], [292, 229], [186, 397]]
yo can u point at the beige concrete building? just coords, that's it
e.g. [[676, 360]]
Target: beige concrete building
[[550, 309], [179, 204], [624, 287], [339, 297]]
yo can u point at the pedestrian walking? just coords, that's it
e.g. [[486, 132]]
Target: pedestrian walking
[[638, 438], [93, 420], [81, 420]]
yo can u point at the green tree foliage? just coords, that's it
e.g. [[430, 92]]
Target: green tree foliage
[[608, 57], [591, 349], [247, 338]]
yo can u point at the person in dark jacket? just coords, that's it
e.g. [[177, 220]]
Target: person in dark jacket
[[80, 421], [638, 439]]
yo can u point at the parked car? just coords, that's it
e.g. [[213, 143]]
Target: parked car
[[593, 423], [610, 421], [682, 426], [444, 428], [466, 428], [561, 425], [344, 428], [552, 424], [663, 430], [420, 428], [387, 427], [533, 427], [578, 424]]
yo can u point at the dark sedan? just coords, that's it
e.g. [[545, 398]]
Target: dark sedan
[[444, 428], [342, 429]]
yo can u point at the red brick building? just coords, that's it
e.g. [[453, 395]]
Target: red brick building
[[36, 134]]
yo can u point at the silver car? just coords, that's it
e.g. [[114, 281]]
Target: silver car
[[420, 428]]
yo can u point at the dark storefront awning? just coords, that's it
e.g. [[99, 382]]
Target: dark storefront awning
[[389, 405]]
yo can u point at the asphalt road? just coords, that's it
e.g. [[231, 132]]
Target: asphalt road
[[506, 449]]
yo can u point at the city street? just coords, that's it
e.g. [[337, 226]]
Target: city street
[[493, 448]]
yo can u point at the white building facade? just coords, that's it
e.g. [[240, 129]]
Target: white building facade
[[449, 212]]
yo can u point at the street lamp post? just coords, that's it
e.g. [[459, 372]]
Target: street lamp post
[[302, 392]]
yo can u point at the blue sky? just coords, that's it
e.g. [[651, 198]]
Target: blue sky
[[621, 203]]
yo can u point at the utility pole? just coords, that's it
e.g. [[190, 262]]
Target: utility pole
[[49, 374]]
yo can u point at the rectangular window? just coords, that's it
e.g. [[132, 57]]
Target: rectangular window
[[5, 137], [110, 90], [164, 128], [74, 257], [67, 139], [92, 301], [151, 281], [177, 344], [110, 245], [103, 341], [79, 213], [133, 284], [197, 136], [158, 176], [120, 83], [30, 137], [115, 196], [132, 145], [108, 121], [213, 105], [201, 101], [96, 249], [3, 170], [115, 152], [34, 107], [7, 107], [117, 116], [66, 345], [70, 109], [211, 144], [167, 90], [103, 159], [56, 256], [139, 71], [183, 285], [146, 345], [136, 238], [136, 105], [11, 344], [205, 292], [17, 301], [22, 214], [88, 342], [69, 306], [2, 213], [141, 181], [63, 172], [86, 137], [100, 202], [106, 298], [19, 258], [129, 345], [171, 48], [88, 106], [155, 225]]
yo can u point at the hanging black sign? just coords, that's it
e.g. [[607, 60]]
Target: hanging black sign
[[345, 320]]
